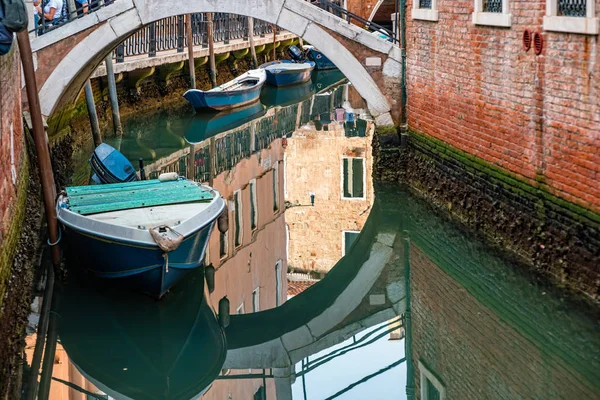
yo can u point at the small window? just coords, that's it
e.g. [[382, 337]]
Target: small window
[[253, 205], [239, 227], [572, 16], [278, 285], [255, 301], [276, 186], [492, 13], [240, 309], [353, 175], [348, 239], [431, 387], [223, 244], [425, 10]]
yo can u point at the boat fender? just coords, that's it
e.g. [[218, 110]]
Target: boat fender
[[223, 221], [168, 176], [224, 312], [209, 275], [161, 238]]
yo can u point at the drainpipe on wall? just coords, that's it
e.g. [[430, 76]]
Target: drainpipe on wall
[[403, 95], [410, 378]]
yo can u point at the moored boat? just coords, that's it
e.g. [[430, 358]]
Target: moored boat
[[245, 89], [286, 73], [147, 234]]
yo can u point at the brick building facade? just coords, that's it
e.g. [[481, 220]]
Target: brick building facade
[[477, 88], [11, 160]]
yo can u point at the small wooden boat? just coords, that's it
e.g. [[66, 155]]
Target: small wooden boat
[[286, 73], [110, 166], [148, 234], [321, 61], [244, 89]]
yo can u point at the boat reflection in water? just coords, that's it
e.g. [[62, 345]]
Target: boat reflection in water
[[129, 346], [208, 124]]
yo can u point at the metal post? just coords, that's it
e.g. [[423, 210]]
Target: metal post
[[41, 143], [410, 379], [211, 50], [120, 53], [71, 9], [180, 33], [251, 38], [190, 46], [403, 95], [152, 34], [227, 28], [91, 107], [112, 93]]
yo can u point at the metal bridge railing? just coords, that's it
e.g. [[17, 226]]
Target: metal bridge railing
[[169, 34], [71, 10], [341, 12]]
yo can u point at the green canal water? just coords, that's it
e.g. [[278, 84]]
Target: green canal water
[[336, 287]]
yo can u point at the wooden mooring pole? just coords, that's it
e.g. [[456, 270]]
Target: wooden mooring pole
[[211, 49], [112, 94], [251, 39], [91, 107], [274, 42], [190, 46], [41, 144]]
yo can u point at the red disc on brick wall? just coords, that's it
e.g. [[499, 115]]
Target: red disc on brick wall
[[527, 39], [538, 43]]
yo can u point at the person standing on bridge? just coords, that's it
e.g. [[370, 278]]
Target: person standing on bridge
[[52, 11]]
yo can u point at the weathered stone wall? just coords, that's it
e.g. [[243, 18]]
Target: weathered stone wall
[[554, 237], [478, 353], [476, 88]]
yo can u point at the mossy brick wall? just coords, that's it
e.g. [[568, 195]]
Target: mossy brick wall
[[476, 88], [555, 237], [12, 188], [478, 354]]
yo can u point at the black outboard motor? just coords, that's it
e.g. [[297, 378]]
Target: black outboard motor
[[296, 54]]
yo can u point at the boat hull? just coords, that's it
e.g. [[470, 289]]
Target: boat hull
[[286, 73], [221, 99], [139, 267], [321, 61]]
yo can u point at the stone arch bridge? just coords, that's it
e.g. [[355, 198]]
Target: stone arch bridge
[[67, 56]]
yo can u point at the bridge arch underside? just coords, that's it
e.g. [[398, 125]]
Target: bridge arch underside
[[67, 78]]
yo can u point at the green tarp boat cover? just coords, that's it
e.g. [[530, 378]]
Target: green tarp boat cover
[[95, 199]]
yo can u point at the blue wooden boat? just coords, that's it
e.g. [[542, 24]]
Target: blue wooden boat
[[131, 347], [243, 90], [110, 166], [286, 72], [207, 125], [148, 234], [321, 61]]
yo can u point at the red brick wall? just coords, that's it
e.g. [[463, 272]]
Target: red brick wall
[[477, 89], [474, 352], [10, 115]]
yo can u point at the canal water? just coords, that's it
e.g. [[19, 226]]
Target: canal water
[[336, 287]]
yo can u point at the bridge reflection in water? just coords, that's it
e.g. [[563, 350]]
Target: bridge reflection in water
[[478, 327]]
